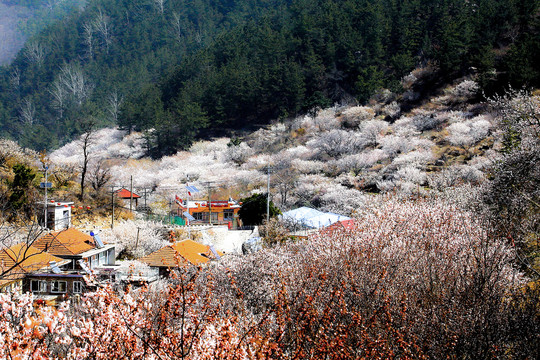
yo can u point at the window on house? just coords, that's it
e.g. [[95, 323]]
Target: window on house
[[77, 287], [198, 216], [92, 261], [38, 286], [228, 214], [102, 258], [58, 286]]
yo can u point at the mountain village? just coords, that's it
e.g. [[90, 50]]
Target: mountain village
[[65, 262], [269, 179]]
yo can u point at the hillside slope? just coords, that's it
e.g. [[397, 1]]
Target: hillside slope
[[331, 159], [453, 147]]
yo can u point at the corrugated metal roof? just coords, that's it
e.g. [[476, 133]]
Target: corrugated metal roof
[[65, 242]]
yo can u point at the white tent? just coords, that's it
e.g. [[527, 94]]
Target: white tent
[[324, 220], [301, 214], [311, 218]]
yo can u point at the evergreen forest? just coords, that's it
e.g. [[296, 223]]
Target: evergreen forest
[[180, 70]]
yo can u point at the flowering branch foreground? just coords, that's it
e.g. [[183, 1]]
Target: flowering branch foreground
[[411, 280]]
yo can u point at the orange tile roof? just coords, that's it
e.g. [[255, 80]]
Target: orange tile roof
[[22, 259], [66, 242], [8, 280], [126, 194], [187, 250]]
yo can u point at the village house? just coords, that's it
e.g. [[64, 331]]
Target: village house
[[20, 261], [57, 265], [186, 252], [213, 212], [44, 275], [82, 250]]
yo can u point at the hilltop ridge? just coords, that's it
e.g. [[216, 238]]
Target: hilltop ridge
[[208, 68]]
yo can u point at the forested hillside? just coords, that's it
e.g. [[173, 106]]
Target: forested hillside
[[178, 70], [21, 19]]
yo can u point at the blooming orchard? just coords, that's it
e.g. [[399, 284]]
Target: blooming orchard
[[409, 279]]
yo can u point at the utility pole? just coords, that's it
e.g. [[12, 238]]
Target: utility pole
[[170, 211], [145, 208], [268, 196], [209, 189], [131, 195], [45, 205], [187, 209], [209, 206], [112, 203]]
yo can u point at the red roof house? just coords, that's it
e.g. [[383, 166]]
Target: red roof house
[[127, 195]]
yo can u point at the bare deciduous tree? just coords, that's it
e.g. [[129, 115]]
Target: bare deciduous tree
[[177, 27], [51, 4], [99, 176], [59, 94], [25, 234], [34, 53], [73, 79], [102, 25], [160, 5], [64, 174], [88, 38], [198, 37], [28, 112], [15, 78], [114, 102], [86, 142]]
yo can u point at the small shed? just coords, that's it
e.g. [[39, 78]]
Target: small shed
[[127, 195]]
